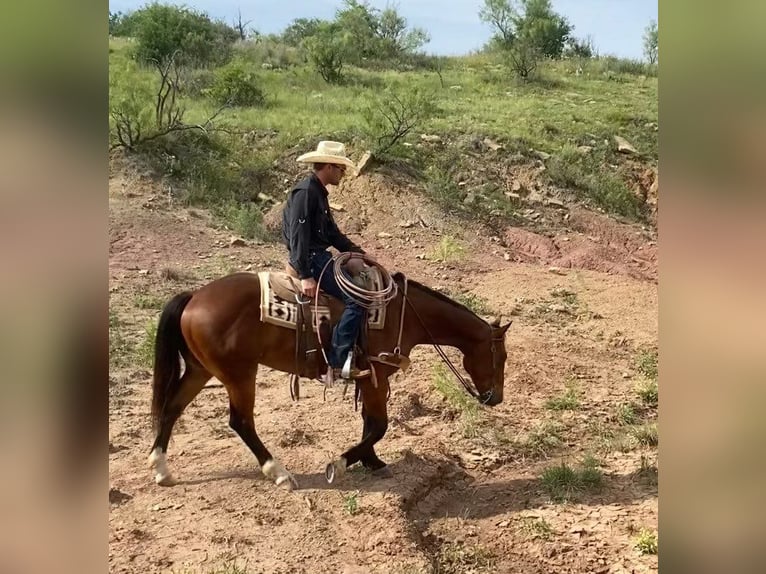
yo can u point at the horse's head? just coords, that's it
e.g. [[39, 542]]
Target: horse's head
[[485, 364]]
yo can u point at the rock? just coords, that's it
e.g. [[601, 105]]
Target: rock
[[237, 242], [556, 271], [516, 186], [493, 145], [362, 165], [263, 197], [456, 87], [430, 138], [118, 497], [544, 156], [143, 272], [556, 203], [470, 199], [384, 235], [624, 146], [511, 195], [406, 224], [535, 197], [584, 149], [337, 207], [507, 256]]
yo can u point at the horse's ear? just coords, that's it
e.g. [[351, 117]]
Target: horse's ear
[[504, 328]]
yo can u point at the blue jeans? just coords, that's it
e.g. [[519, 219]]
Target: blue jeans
[[347, 330]]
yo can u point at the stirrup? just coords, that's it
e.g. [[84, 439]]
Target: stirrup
[[345, 372]]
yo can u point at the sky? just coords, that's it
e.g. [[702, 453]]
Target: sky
[[616, 26]]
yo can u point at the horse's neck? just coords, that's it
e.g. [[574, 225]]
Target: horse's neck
[[442, 322]]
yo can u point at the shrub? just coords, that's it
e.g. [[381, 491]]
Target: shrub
[[236, 86], [394, 114]]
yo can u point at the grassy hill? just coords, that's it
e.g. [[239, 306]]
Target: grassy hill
[[564, 121]]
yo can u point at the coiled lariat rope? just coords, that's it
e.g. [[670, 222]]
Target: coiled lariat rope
[[368, 299], [365, 298]]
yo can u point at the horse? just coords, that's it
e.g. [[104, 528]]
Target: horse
[[218, 331]]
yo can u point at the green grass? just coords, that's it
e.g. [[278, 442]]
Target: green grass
[[119, 346], [351, 503], [647, 434], [534, 527], [448, 250], [541, 441], [457, 558], [459, 399], [646, 542], [563, 482], [145, 350], [647, 364], [148, 301], [475, 303], [569, 400], [627, 414], [648, 392]]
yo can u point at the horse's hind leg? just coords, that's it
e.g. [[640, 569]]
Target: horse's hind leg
[[191, 384], [241, 403]]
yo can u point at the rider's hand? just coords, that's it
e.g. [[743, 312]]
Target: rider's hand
[[309, 286]]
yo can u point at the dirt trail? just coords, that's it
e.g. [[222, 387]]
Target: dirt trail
[[457, 503]]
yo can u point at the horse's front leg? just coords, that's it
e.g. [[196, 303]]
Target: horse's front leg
[[375, 417]]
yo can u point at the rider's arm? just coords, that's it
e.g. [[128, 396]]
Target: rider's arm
[[299, 235]]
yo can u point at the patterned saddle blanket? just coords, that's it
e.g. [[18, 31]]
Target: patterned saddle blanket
[[279, 306]]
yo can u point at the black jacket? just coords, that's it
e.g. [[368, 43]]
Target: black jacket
[[308, 225]]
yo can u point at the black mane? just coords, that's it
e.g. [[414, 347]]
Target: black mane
[[399, 277]]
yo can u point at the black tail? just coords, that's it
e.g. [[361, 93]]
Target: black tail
[[167, 346]]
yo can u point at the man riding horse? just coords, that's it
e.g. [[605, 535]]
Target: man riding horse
[[308, 230]]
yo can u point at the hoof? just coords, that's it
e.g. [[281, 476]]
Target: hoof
[[158, 461], [288, 481], [165, 480], [335, 470], [383, 472], [274, 470]]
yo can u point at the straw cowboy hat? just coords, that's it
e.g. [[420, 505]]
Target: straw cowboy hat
[[328, 152]]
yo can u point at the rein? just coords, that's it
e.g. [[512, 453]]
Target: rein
[[471, 391]]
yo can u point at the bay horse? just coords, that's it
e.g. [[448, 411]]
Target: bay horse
[[217, 330]]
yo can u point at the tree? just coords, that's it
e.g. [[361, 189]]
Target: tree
[[503, 17], [395, 40], [163, 32], [547, 30], [328, 50], [241, 26], [526, 30], [535, 20], [299, 30], [651, 42], [358, 21], [580, 48]]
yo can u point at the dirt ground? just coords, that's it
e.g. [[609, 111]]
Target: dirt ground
[[467, 494]]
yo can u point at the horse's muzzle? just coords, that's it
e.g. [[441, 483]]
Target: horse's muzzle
[[491, 398]]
